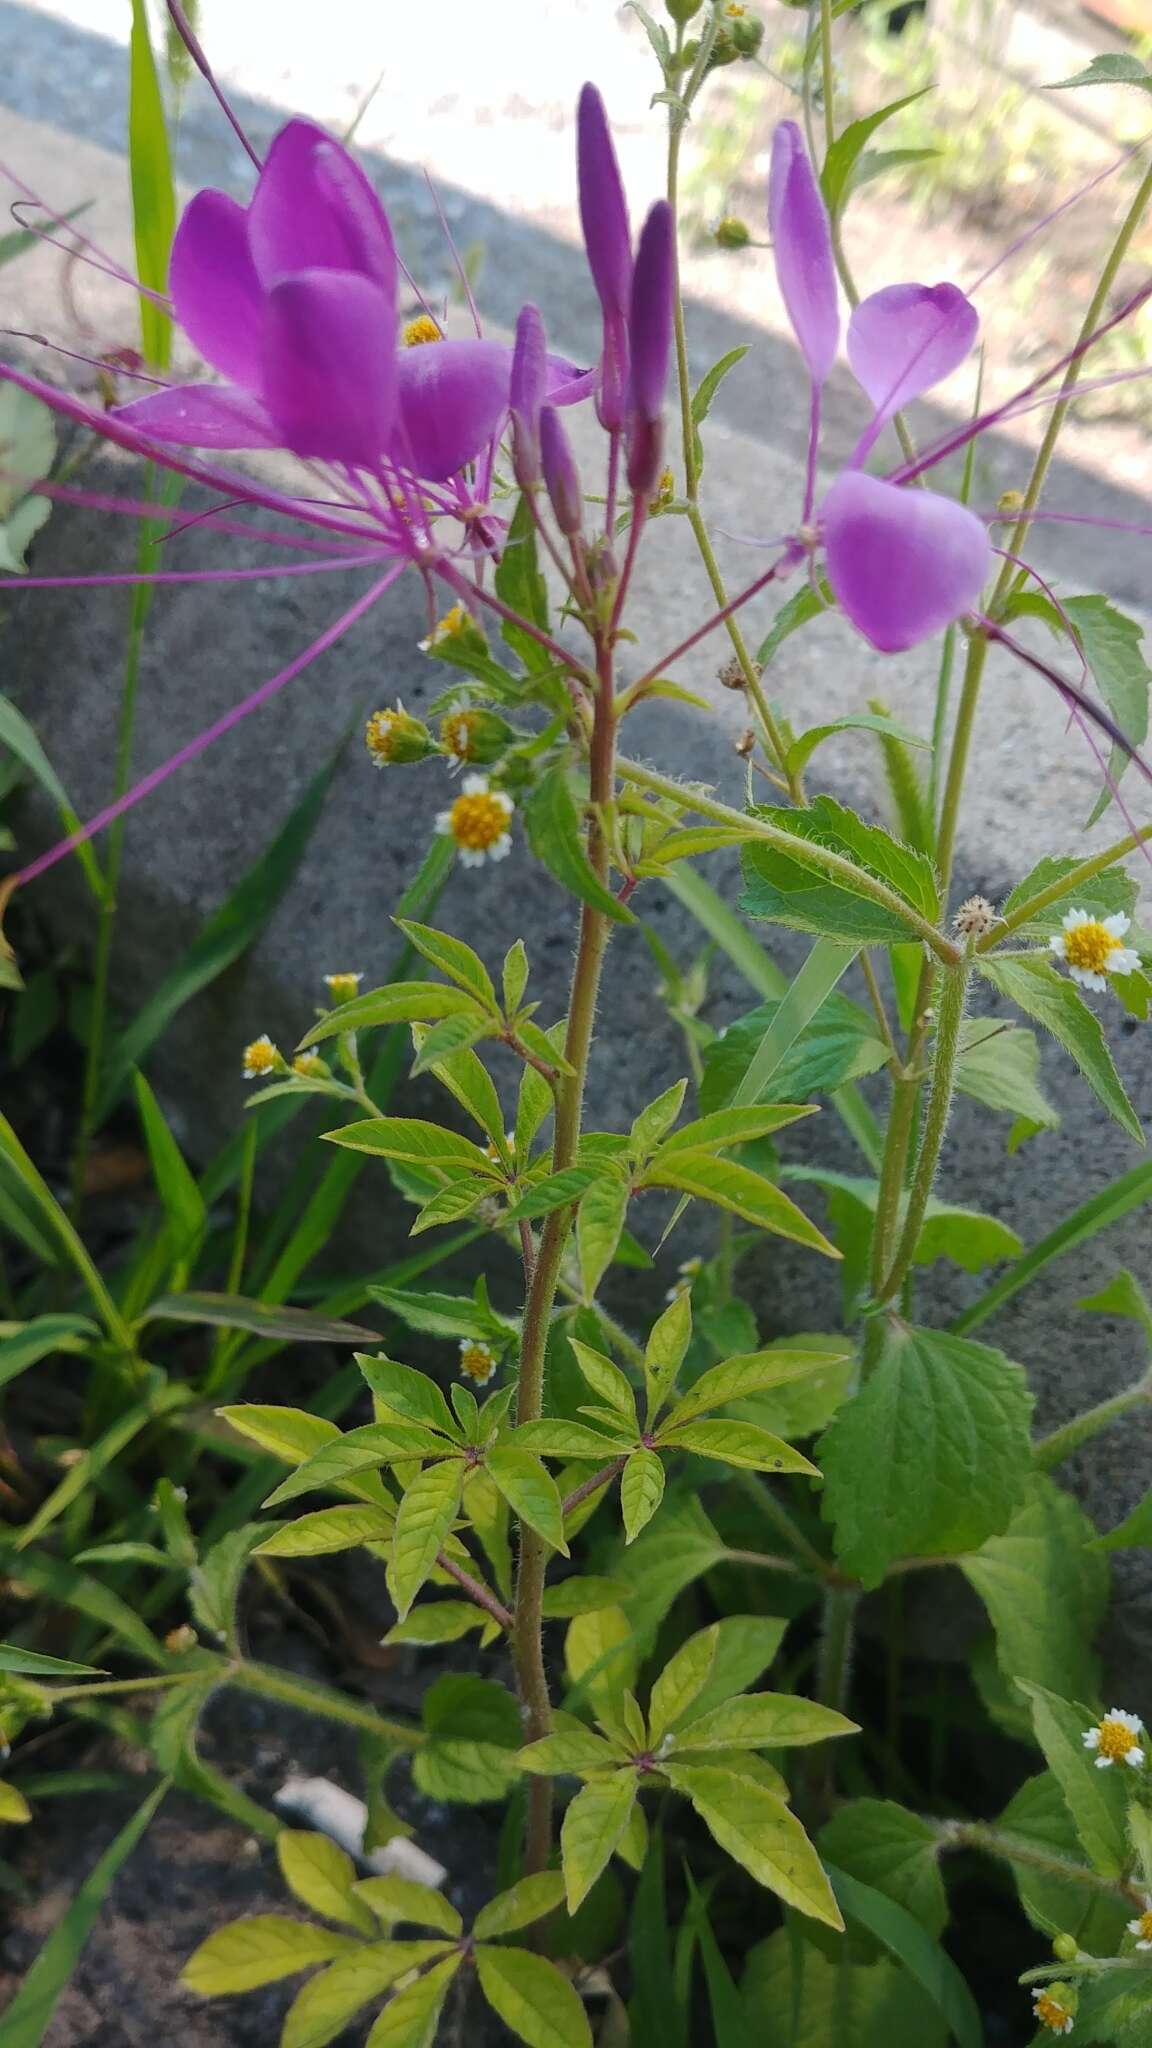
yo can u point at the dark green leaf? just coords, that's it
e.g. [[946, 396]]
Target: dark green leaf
[[1037, 989], [1116, 67], [906, 1941], [552, 823], [520, 585], [233, 1312], [783, 889], [836, 178], [1046, 1590]]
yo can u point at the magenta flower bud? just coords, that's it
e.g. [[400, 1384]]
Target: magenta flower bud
[[650, 325], [561, 476], [529, 384], [650, 338], [608, 241], [802, 246]]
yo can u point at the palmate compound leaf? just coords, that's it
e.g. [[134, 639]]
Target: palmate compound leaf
[[532, 1998], [757, 1830], [931, 1457]]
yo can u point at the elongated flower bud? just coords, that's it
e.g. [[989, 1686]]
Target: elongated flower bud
[[802, 245], [529, 381], [608, 241], [650, 337], [561, 476]]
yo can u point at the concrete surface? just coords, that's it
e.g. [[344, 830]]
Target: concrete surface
[[1032, 782]]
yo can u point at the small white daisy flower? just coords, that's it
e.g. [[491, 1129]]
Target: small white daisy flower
[[1116, 1740], [478, 822], [1091, 948], [1142, 1928], [343, 987], [1055, 2007], [260, 1058], [477, 1360]]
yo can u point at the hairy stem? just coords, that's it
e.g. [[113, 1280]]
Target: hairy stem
[[953, 993], [1051, 1450], [527, 1630], [807, 852], [964, 1834]]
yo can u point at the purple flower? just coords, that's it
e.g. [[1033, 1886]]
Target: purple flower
[[293, 300], [902, 563], [650, 345], [561, 476], [526, 394], [608, 241]]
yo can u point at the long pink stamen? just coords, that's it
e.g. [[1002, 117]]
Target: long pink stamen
[[92, 362], [461, 273], [184, 30], [163, 576], [211, 733], [93, 255], [1038, 227], [1075, 698], [145, 509]]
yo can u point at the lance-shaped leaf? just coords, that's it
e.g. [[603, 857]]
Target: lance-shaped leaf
[[574, 1752], [757, 1830], [409, 2019], [321, 1876], [681, 1682], [415, 1141], [325, 2005], [763, 1720], [404, 1002], [641, 1491], [1040, 992], [423, 1520], [532, 1998], [592, 1829], [328, 1530], [520, 1906], [409, 1395], [260, 1950], [599, 1223], [753, 1374], [453, 958], [743, 1444], [558, 1439], [664, 1353], [741, 1191], [361, 1450], [606, 1381], [394, 1899], [530, 1492]]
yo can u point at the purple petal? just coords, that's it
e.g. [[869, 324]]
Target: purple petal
[[568, 382], [313, 209], [561, 476], [905, 339], [903, 563], [215, 290], [453, 396], [802, 246], [330, 366], [650, 322], [603, 207], [202, 416]]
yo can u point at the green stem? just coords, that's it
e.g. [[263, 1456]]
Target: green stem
[[103, 1687], [964, 1834], [528, 1624], [1067, 886], [760, 1493], [893, 1171], [311, 1698], [953, 993], [958, 760], [833, 1677], [807, 852], [1051, 1450]]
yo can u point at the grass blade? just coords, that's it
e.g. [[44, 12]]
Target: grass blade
[[825, 967], [17, 735], [1109, 1206], [33, 1184], [28, 2018], [907, 1942]]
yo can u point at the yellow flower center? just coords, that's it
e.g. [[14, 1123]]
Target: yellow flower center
[[309, 1066], [478, 821], [735, 9], [476, 1360], [453, 623], [456, 733], [379, 734], [1145, 1933], [1051, 2013], [423, 329], [1115, 1739], [1090, 946], [260, 1057]]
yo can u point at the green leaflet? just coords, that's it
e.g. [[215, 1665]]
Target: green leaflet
[[843, 157], [931, 1457], [423, 1520], [1037, 989], [592, 1828], [552, 823], [532, 1998], [322, 1876], [641, 1491], [761, 1834]]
